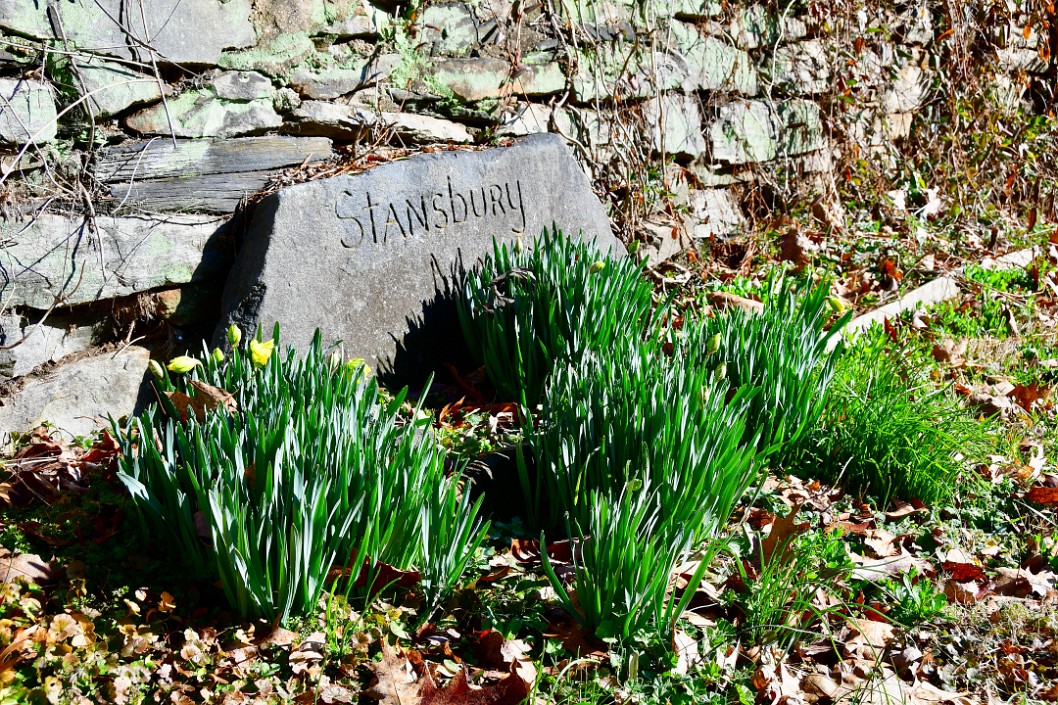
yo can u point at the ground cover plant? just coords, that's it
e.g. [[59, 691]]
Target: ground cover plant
[[827, 586]]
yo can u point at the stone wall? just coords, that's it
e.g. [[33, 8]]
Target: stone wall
[[129, 137]]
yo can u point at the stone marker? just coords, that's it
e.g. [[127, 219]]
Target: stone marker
[[364, 257]]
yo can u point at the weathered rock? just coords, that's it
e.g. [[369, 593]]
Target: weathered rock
[[484, 78], [357, 20], [800, 69], [243, 85], [273, 57], [686, 9], [366, 257], [30, 344], [713, 63], [115, 88], [621, 70], [448, 29], [62, 259], [526, 119], [27, 111], [189, 32], [754, 131], [325, 84], [208, 176], [25, 17], [662, 241], [754, 27], [77, 397], [715, 213], [315, 117], [676, 121], [907, 91], [199, 113]]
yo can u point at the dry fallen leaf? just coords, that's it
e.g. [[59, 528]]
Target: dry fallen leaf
[[398, 684], [783, 531], [1019, 582], [29, 567]]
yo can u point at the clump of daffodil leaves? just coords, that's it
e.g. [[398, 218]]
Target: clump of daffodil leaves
[[308, 465]]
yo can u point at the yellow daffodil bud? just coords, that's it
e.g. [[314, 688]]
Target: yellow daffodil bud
[[712, 345], [720, 372], [260, 351], [234, 335], [156, 369], [183, 363], [218, 355], [597, 266]]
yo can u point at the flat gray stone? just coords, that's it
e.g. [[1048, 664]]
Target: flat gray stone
[[800, 69], [329, 83], [676, 122], [448, 29], [363, 257], [907, 91], [31, 344], [752, 131], [243, 85], [27, 111], [77, 397], [715, 212], [199, 113], [115, 88], [192, 32], [486, 78], [25, 17], [59, 258], [357, 20], [316, 117], [713, 63]]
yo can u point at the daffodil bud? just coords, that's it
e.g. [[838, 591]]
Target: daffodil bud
[[260, 351], [156, 369], [712, 345], [720, 372], [519, 246], [838, 304], [335, 360], [234, 335], [183, 364], [218, 355], [597, 266]]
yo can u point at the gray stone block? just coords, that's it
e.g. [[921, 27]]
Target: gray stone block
[[115, 88], [243, 85], [77, 397], [27, 111], [192, 32], [25, 17], [199, 113], [370, 258], [30, 344], [676, 122], [61, 259]]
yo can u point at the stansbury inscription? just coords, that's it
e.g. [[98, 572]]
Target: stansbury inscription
[[367, 218]]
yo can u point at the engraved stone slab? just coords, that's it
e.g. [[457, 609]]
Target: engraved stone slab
[[368, 258]]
